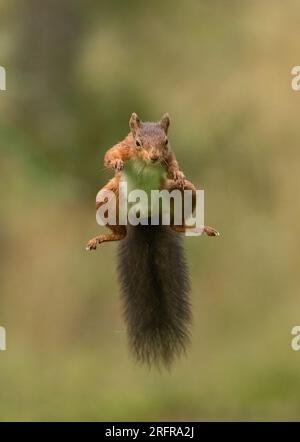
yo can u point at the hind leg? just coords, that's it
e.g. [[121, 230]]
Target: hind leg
[[118, 233], [209, 231], [187, 185], [171, 185]]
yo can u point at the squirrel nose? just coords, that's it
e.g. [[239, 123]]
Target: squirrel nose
[[154, 159]]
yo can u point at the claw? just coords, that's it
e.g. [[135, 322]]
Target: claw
[[119, 165], [179, 178], [210, 231], [91, 245]]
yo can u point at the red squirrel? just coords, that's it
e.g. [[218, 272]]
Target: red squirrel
[[152, 269], [147, 143]]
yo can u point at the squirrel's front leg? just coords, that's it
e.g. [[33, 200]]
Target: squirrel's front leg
[[116, 156], [113, 162], [174, 171]]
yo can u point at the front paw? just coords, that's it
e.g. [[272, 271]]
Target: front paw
[[118, 165], [115, 164], [179, 177]]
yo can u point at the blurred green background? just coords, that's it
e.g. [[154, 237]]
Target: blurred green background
[[76, 70]]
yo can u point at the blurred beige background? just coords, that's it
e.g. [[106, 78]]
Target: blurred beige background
[[76, 70]]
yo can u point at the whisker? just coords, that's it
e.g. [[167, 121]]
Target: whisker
[[141, 170], [165, 161], [104, 168]]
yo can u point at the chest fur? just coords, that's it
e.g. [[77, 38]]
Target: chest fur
[[146, 177], [143, 176]]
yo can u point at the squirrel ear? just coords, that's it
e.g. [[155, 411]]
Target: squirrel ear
[[134, 123], [165, 122]]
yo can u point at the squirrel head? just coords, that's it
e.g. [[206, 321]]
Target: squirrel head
[[150, 138]]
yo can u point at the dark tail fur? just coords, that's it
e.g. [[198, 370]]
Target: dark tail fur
[[155, 291]]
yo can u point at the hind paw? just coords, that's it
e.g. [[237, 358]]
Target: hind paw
[[92, 244], [210, 231]]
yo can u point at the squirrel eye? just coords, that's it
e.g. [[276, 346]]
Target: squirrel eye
[[166, 141], [138, 143]]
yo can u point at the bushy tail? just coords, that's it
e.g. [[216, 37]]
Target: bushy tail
[[155, 291]]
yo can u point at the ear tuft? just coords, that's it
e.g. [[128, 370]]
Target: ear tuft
[[134, 123], [165, 122]]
